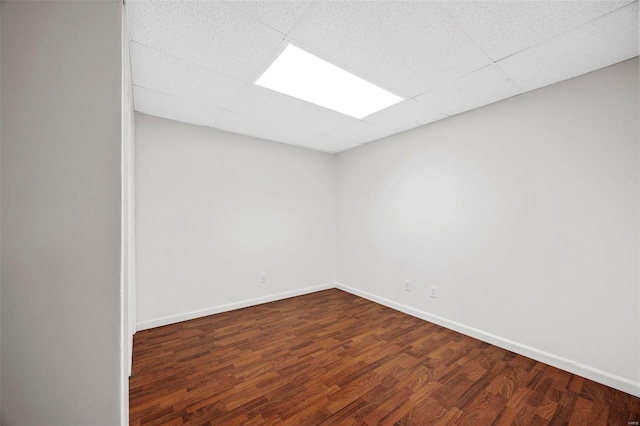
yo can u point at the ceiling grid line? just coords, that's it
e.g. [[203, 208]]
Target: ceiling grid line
[[630, 4], [175, 96], [187, 61], [197, 62]]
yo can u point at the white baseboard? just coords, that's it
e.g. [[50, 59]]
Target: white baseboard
[[130, 355], [597, 375], [172, 319]]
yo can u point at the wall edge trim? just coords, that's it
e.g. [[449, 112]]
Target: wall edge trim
[[198, 313], [587, 371]]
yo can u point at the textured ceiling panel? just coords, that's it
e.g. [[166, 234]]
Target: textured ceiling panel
[[405, 47], [161, 105], [247, 125], [362, 132], [167, 74], [404, 116], [328, 143], [602, 42], [502, 28], [279, 15], [269, 105], [196, 61], [485, 86], [209, 33]]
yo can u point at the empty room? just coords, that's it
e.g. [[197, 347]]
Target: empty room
[[319, 212]]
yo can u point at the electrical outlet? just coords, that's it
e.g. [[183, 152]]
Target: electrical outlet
[[264, 277], [434, 292], [407, 285]]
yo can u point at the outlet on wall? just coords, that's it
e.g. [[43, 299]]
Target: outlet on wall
[[407, 285], [264, 277], [434, 292]]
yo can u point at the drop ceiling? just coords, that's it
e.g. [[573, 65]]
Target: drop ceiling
[[197, 61]]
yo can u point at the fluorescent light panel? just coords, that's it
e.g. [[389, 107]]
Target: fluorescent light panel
[[301, 75]]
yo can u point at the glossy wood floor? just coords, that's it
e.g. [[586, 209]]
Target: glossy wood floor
[[331, 357]]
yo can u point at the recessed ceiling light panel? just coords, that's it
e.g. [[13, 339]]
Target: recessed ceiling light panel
[[301, 75]]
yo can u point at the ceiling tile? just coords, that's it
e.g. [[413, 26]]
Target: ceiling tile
[[404, 47], [362, 132], [208, 33], [167, 74], [280, 15], [252, 126], [192, 59], [602, 42], [487, 85], [404, 116], [331, 144], [166, 106], [502, 28], [269, 105]]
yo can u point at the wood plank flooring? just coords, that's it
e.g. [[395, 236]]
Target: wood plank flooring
[[334, 358]]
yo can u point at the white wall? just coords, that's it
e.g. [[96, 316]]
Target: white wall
[[60, 165], [214, 210], [524, 214]]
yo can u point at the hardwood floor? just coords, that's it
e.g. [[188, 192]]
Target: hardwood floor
[[331, 357]]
